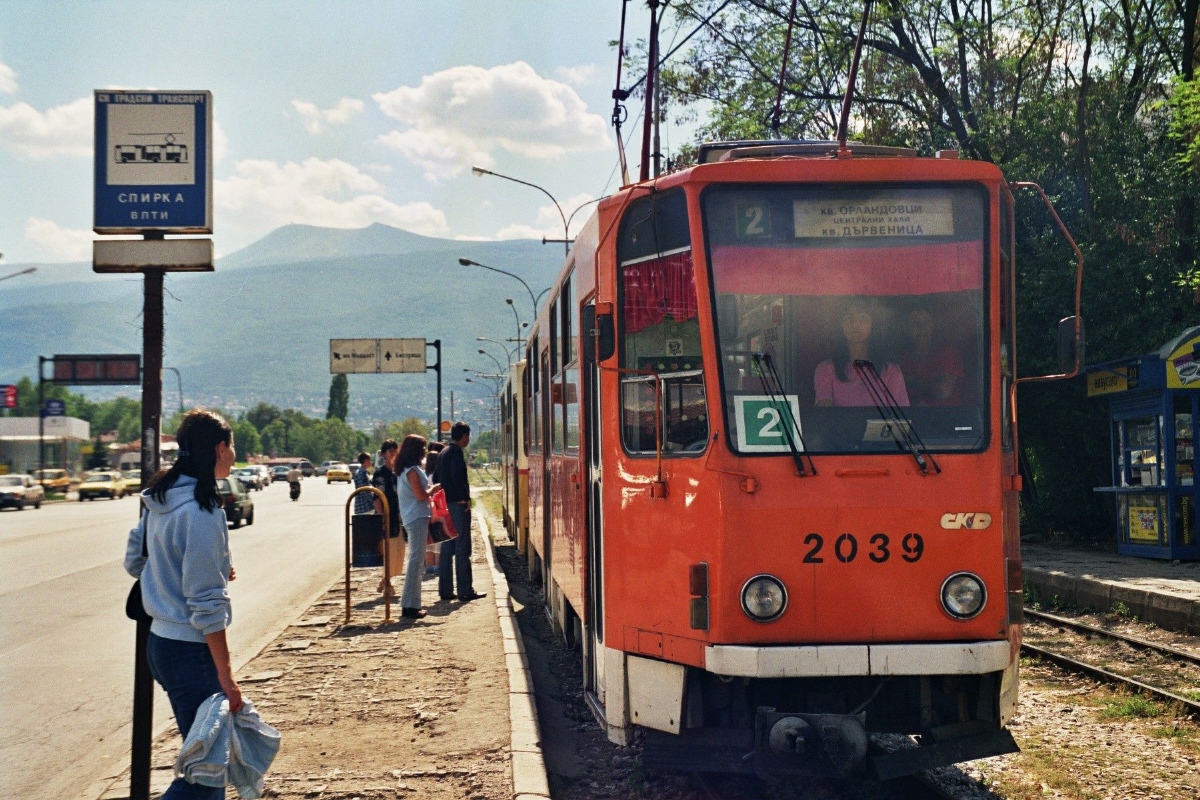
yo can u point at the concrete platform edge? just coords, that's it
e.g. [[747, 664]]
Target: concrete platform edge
[[1164, 610], [529, 778]]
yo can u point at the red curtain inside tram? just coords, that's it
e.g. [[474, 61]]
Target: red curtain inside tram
[[658, 287]]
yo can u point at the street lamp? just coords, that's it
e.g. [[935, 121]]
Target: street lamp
[[180, 379], [566, 235], [22, 272], [499, 366], [504, 347], [516, 316], [466, 262]]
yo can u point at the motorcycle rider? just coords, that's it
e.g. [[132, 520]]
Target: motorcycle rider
[[293, 478]]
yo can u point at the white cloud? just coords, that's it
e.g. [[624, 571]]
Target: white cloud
[[459, 116], [220, 143], [262, 195], [67, 244], [316, 120], [8, 79], [62, 130], [576, 75], [549, 224]]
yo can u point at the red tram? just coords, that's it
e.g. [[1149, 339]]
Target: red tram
[[771, 534]]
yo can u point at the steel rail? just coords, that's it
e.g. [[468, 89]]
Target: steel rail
[[1083, 627], [1190, 707]]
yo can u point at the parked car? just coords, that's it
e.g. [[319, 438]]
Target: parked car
[[53, 480], [250, 477], [133, 480], [280, 473], [337, 471], [102, 483], [239, 507], [325, 465], [264, 475], [19, 491], [306, 467]]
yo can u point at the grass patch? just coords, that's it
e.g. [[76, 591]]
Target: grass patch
[[1172, 732], [1130, 707], [1191, 694]]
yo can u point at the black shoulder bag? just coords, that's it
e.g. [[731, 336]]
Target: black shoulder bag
[[133, 603]]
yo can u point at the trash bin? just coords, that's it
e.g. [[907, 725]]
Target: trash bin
[[366, 534]]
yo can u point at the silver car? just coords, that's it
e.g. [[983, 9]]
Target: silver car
[[20, 491]]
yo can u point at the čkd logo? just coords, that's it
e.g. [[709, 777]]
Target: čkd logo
[[976, 521]]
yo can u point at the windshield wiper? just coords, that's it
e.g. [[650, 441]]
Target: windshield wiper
[[791, 429], [901, 428]]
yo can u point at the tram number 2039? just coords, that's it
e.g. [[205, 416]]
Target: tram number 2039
[[878, 548]]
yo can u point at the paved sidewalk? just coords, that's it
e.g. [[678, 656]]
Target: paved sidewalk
[[1163, 592], [435, 708]]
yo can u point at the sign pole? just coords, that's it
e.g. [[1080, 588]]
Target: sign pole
[[436, 344], [143, 681], [41, 421]]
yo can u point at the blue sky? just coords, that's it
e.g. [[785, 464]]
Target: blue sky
[[327, 113]]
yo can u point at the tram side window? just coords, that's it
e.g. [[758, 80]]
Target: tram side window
[[556, 382], [660, 329]]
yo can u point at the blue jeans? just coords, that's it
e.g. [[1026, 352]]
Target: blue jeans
[[188, 674], [418, 532], [455, 555]]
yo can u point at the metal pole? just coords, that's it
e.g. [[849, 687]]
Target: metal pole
[[436, 344], [143, 682], [41, 422], [651, 79]]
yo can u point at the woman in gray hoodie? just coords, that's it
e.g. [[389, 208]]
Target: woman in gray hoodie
[[185, 577]]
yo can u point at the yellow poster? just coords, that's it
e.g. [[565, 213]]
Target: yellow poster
[[1143, 521], [893, 214], [1183, 366], [1108, 381]]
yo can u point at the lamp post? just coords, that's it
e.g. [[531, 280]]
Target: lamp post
[[507, 352], [499, 366], [566, 235], [516, 316], [466, 262], [180, 380]]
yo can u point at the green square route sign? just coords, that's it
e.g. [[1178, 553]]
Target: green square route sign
[[762, 423]]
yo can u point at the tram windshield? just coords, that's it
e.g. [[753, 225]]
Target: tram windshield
[[851, 303]]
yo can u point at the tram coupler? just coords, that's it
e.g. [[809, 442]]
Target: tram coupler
[[787, 740]]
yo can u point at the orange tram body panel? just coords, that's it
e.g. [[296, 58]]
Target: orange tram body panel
[[772, 477]]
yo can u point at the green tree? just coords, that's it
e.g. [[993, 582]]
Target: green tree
[[246, 439], [262, 415], [398, 430], [339, 397]]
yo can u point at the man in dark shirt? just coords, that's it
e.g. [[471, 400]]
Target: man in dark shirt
[[455, 556], [384, 479]]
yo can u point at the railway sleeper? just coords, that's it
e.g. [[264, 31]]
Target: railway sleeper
[[791, 726]]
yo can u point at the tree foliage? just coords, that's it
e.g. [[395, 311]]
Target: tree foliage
[[339, 397], [1096, 100]]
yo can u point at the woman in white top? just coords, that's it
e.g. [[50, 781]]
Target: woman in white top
[[414, 488]]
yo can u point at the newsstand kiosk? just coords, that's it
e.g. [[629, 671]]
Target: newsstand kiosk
[[1154, 414]]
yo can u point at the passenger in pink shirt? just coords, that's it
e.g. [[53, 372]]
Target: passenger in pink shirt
[[836, 380]]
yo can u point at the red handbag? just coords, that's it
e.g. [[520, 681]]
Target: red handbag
[[441, 526]]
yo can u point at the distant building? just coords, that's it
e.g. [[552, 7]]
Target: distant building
[[66, 440]]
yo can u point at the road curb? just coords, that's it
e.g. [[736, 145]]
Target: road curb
[[528, 764], [1164, 610]]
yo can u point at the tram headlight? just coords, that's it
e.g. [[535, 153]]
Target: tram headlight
[[963, 595], [764, 598]]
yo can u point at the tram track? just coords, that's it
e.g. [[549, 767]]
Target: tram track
[[1172, 655]]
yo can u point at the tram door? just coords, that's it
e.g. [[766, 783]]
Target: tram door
[[594, 663]]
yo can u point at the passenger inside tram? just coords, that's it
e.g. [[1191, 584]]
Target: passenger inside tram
[[843, 380], [933, 368]]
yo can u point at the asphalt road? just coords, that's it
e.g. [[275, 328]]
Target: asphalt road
[[66, 648]]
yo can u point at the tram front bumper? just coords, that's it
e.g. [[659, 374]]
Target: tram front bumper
[[817, 661]]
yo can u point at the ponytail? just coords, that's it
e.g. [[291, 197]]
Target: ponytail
[[198, 436]]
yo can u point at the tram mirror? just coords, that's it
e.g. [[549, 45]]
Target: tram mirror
[[600, 339], [1070, 349]]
